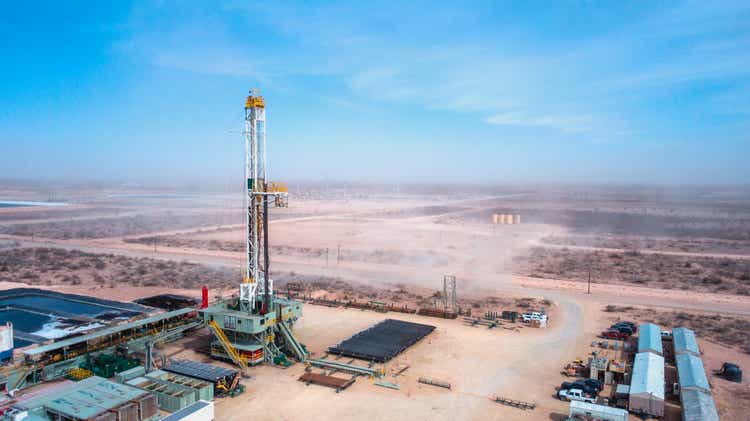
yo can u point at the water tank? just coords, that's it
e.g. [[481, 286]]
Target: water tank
[[732, 372], [6, 342]]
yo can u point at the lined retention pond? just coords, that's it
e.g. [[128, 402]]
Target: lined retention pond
[[51, 315]]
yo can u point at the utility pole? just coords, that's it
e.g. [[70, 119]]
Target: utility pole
[[589, 291]]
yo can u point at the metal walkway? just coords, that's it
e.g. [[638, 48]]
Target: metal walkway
[[296, 347], [228, 347]]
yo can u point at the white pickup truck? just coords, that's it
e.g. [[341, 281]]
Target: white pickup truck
[[575, 395], [527, 317]]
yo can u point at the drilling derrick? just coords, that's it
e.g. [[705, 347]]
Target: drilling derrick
[[256, 326], [257, 283]]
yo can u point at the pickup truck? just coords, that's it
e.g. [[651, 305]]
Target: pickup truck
[[614, 334], [575, 395], [527, 317]]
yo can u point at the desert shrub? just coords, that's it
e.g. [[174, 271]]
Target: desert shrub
[[712, 280], [152, 283]]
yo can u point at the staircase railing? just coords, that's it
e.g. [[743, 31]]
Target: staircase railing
[[228, 347]]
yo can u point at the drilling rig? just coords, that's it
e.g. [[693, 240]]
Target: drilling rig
[[256, 326]]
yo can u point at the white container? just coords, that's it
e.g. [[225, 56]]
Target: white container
[[6, 341]]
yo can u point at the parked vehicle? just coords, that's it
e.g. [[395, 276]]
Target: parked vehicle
[[565, 385], [666, 334], [574, 369], [587, 388], [731, 372], [598, 385], [614, 334], [527, 317], [575, 395], [624, 329], [631, 325]]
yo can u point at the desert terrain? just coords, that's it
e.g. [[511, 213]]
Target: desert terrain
[[677, 257]]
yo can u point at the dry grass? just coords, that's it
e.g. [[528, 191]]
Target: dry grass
[[50, 266], [117, 226], [381, 256], [689, 245], [719, 275], [26, 213], [611, 218]]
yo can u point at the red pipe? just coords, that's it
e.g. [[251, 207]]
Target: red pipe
[[204, 302]]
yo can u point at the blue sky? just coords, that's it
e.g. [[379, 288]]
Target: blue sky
[[642, 92]]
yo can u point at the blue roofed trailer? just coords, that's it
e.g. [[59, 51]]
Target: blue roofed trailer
[[691, 374], [698, 406], [647, 385], [649, 339], [684, 341]]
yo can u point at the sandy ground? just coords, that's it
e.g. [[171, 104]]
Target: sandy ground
[[478, 362]]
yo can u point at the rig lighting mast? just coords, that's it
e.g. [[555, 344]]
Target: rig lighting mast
[[257, 288]]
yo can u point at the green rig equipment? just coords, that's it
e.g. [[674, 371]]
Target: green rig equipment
[[248, 338]]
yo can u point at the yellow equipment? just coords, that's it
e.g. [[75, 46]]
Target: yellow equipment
[[231, 351]]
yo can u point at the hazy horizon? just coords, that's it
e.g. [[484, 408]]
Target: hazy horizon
[[533, 93]]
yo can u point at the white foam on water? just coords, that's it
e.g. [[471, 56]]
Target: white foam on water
[[30, 203], [53, 329]]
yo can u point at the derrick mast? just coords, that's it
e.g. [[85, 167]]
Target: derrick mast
[[257, 287], [257, 326]]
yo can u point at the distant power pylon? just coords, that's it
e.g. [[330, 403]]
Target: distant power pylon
[[449, 294]]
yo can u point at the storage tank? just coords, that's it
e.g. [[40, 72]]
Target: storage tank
[[6, 342], [495, 218], [517, 219]]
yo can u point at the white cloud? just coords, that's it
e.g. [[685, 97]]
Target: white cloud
[[592, 85]]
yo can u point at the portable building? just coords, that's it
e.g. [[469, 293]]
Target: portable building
[[171, 397], [6, 341], [691, 374], [199, 411], [130, 374], [647, 385], [594, 411], [684, 342], [93, 398], [649, 339], [698, 406], [204, 390]]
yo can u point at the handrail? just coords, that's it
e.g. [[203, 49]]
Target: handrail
[[228, 347]]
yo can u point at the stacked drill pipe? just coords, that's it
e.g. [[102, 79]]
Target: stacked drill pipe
[[514, 403], [343, 367], [435, 382], [401, 309], [433, 312], [382, 341], [489, 323]]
